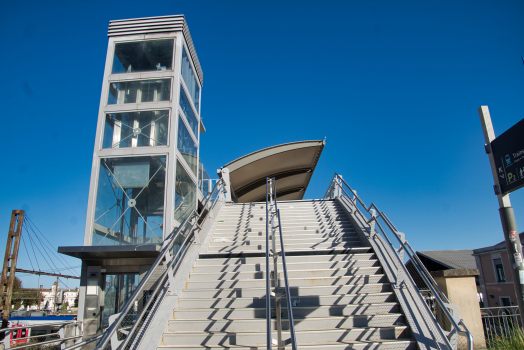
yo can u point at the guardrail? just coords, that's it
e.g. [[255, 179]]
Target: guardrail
[[450, 326], [500, 321], [21, 337], [130, 325], [272, 213]]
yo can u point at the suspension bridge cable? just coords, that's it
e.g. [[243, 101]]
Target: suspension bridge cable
[[31, 238], [46, 252], [46, 249], [60, 257], [29, 256], [33, 248], [64, 262]]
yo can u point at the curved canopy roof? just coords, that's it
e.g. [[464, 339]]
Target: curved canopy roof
[[291, 164]]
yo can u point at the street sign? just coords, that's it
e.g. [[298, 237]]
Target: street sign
[[508, 152]]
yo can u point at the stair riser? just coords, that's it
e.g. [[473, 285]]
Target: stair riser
[[376, 345], [303, 338], [298, 312], [294, 283], [291, 274], [313, 259], [262, 248], [321, 300], [289, 239], [221, 226], [292, 233], [259, 325], [261, 292], [290, 266]]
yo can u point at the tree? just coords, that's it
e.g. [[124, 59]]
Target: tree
[[76, 301], [26, 297]]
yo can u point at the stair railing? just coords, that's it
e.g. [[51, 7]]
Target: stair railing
[[437, 303], [138, 311], [273, 219]]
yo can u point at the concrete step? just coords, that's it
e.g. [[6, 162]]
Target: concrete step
[[261, 232], [397, 344], [303, 337], [311, 300], [226, 242], [258, 325], [292, 266], [247, 292], [288, 217], [222, 239], [261, 245], [293, 282], [287, 247], [251, 275], [298, 311], [310, 259]]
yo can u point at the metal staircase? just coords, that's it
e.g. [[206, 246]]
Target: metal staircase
[[340, 296], [348, 283]]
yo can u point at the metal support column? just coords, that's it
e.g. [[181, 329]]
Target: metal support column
[[509, 225], [10, 258]]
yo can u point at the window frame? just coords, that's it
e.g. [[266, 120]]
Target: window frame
[[113, 81], [139, 40], [102, 149], [96, 186], [496, 257]]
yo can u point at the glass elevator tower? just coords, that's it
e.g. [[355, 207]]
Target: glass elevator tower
[[146, 177], [145, 164]]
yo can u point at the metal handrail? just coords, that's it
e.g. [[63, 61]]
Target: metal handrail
[[440, 297], [162, 258], [271, 199]]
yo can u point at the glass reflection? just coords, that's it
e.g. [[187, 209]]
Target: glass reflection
[[143, 56], [187, 146], [139, 91], [130, 201], [185, 194], [136, 129], [188, 111], [190, 79]]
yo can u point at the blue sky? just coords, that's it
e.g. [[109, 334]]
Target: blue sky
[[393, 86]]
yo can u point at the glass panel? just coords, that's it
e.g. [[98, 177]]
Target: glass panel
[[130, 201], [110, 298], [186, 145], [136, 129], [190, 80], [139, 91], [185, 194], [129, 285], [143, 56], [188, 111], [205, 182]]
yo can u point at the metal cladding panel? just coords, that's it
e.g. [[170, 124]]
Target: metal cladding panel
[[149, 25], [291, 164]]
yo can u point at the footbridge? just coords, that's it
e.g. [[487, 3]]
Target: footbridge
[[312, 274]]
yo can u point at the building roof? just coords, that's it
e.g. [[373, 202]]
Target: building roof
[[495, 247], [291, 164], [453, 259], [161, 24]]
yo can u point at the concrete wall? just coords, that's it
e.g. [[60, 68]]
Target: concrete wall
[[461, 290]]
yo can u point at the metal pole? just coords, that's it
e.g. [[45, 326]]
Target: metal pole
[[509, 225]]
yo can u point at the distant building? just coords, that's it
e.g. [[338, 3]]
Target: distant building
[[53, 296], [496, 280], [439, 260]]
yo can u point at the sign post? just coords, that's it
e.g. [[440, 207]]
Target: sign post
[[506, 156]]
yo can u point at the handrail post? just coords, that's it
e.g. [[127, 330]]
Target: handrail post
[[268, 293]]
